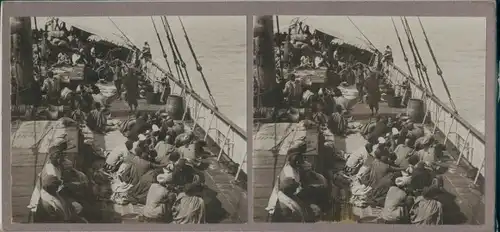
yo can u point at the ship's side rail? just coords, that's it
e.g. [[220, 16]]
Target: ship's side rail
[[469, 142], [229, 137]]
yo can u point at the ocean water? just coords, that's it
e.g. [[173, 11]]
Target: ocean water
[[458, 43], [218, 41]]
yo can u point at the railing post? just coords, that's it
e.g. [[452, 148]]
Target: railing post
[[197, 115], [449, 130], [426, 110], [209, 125], [224, 143], [172, 91], [463, 149], [239, 167], [438, 118], [187, 107], [479, 170], [156, 72]]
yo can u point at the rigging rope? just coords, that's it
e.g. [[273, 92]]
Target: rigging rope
[[422, 65], [182, 63], [161, 45], [198, 65], [402, 49], [439, 71], [282, 75], [178, 69], [124, 35], [417, 65], [363, 34], [35, 149]]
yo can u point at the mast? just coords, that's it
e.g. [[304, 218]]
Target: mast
[[22, 53], [264, 60]]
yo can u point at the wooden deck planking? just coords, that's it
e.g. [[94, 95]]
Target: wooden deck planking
[[266, 165], [23, 166]]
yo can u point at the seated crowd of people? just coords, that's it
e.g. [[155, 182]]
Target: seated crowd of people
[[341, 70], [58, 49], [158, 167], [396, 171]]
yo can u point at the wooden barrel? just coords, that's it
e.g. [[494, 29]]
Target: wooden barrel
[[152, 98], [415, 110], [175, 107], [396, 102]]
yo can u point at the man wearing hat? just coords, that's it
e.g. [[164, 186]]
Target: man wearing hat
[[373, 91], [189, 207], [164, 147], [117, 156], [53, 208], [403, 153], [379, 130], [293, 90], [140, 126], [395, 208], [51, 88], [159, 199], [291, 171], [288, 209], [131, 83]]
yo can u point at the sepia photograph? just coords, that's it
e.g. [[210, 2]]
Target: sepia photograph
[[128, 119], [361, 119]]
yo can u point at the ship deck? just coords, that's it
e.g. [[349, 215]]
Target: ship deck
[[463, 203], [231, 196]]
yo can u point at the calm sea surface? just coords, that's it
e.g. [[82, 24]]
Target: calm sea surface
[[220, 44], [458, 43]]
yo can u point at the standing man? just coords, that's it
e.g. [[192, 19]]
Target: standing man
[[51, 87], [360, 81], [118, 76], [293, 91], [166, 89], [132, 88], [146, 55], [373, 92]]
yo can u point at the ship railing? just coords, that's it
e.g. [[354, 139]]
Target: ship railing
[[468, 141], [230, 138]]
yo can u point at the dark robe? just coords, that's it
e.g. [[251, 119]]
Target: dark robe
[[138, 167], [131, 83], [97, 121], [376, 197], [378, 170], [140, 126], [379, 130], [139, 192]]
